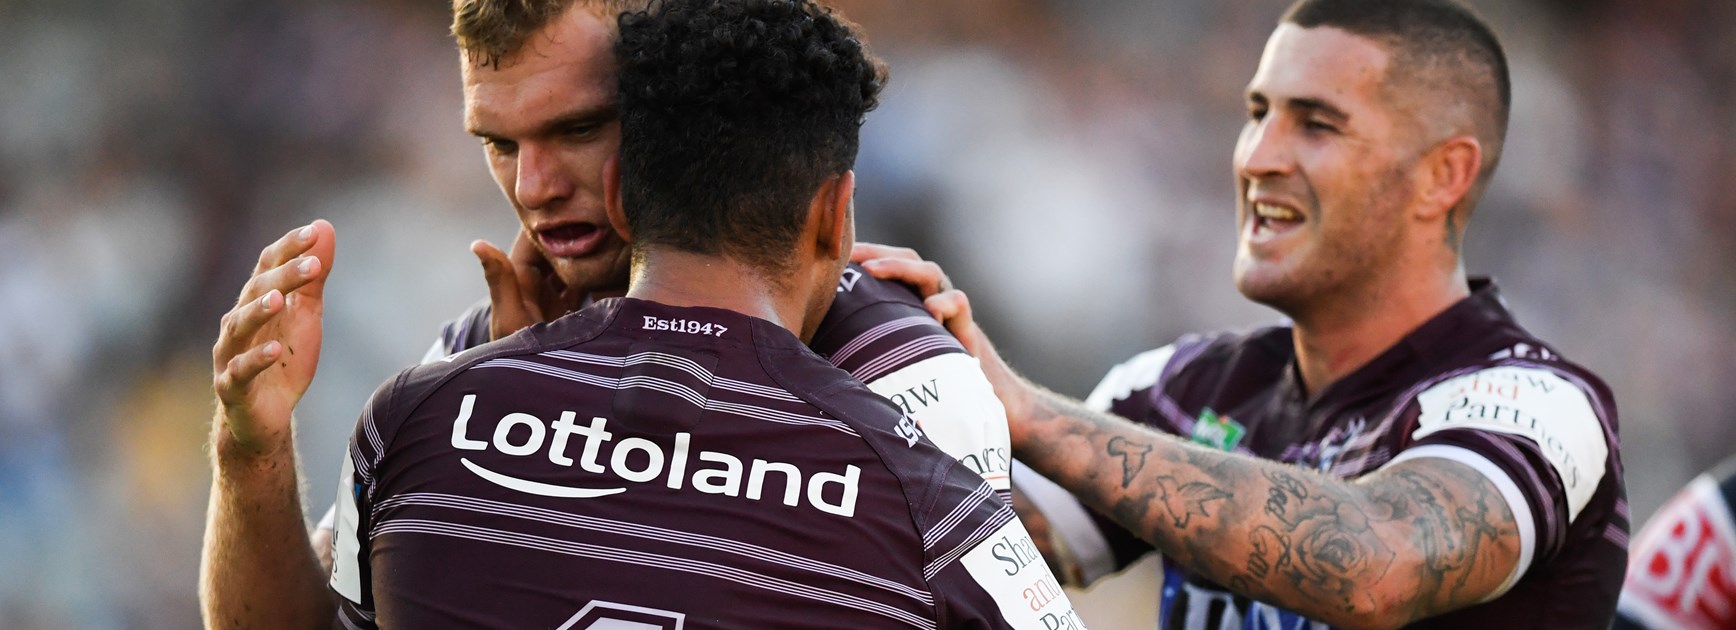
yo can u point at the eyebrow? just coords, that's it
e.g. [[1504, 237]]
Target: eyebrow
[[1306, 104], [584, 115]]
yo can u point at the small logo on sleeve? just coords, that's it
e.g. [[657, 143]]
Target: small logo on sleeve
[[847, 282], [908, 430]]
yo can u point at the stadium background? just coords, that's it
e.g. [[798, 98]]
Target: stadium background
[[1066, 160]]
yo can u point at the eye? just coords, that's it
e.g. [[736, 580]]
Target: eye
[[1256, 111], [1318, 126], [499, 146], [581, 131]]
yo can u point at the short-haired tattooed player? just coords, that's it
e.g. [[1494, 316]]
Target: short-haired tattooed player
[[1401, 451], [541, 92]]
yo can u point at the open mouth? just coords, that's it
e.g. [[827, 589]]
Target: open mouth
[[571, 240], [1271, 220]]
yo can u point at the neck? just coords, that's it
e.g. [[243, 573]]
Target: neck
[[1334, 341], [678, 278]]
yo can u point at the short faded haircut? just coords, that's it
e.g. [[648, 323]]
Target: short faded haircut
[[491, 30], [1439, 45]]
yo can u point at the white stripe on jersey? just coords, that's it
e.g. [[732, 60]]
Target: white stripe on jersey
[[646, 559], [639, 530], [869, 336], [1001, 517], [673, 388], [956, 516], [894, 358], [680, 363]]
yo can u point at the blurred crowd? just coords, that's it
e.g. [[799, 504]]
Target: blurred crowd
[[1068, 162]]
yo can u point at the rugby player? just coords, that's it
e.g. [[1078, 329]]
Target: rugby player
[[735, 177], [547, 154], [1682, 573], [1401, 451]]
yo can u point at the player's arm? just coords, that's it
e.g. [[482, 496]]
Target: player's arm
[[1411, 541], [1414, 540], [256, 569]]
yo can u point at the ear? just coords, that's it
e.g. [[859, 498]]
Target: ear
[[832, 215], [1447, 173], [612, 197]]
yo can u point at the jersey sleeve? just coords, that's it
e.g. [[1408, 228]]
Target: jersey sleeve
[[1539, 437], [880, 333], [1094, 545], [1682, 570], [358, 478], [983, 567]]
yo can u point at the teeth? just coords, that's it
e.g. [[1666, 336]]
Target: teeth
[[1276, 213]]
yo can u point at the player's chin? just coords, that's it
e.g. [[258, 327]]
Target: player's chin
[[1266, 282], [602, 272]]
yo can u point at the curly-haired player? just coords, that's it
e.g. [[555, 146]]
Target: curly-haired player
[[676, 457]]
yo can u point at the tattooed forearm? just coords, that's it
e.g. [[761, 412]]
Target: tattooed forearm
[[1183, 500], [1414, 540], [1132, 456]]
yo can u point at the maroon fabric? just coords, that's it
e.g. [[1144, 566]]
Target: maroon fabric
[[684, 394], [1364, 420]]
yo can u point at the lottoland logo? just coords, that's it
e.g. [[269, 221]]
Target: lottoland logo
[[638, 460]]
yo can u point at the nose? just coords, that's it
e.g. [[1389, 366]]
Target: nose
[[542, 179], [1263, 149]]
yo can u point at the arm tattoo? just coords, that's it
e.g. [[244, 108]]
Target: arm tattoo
[[1132, 456], [1183, 500], [1417, 539]]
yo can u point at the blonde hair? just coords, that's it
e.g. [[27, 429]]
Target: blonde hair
[[491, 30]]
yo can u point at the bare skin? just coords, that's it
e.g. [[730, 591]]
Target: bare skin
[[548, 125], [1347, 201], [1408, 542], [262, 363]]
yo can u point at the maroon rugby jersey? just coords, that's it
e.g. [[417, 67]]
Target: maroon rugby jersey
[[1469, 385], [879, 332], [687, 467]]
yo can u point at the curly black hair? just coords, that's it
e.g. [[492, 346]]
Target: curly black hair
[[734, 112]]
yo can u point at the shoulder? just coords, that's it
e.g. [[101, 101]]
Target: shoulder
[[468, 347], [1193, 358], [1548, 424], [877, 327]]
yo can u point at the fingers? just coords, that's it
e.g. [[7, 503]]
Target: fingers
[[324, 248], [926, 276], [238, 327], [232, 381], [295, 243], [952, 308], [525, 253], [297, 274], [505, 293], [864, 252], [315, 241]]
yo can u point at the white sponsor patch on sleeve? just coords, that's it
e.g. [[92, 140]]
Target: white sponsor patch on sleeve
[[954, 404], [1532, 403], [1008, 567], [1137, 373], [346, 570]]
